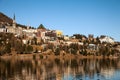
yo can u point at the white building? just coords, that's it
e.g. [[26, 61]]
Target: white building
[[3, 28], [66, 38], [70, 42], [30, 32], [107, 39]]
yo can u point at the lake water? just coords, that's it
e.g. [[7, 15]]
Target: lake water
[[75, 69]]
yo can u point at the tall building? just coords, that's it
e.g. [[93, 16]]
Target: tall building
[[14, 22]]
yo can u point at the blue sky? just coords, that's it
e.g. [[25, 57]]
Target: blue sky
[[98, 17]]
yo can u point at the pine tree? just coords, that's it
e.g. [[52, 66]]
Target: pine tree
[[41, 26]]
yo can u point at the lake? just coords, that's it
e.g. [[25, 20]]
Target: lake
[[60, 69]]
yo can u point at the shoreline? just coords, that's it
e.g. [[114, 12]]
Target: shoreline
[[67, 56]]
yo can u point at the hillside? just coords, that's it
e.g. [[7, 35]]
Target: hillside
[[4, 18]]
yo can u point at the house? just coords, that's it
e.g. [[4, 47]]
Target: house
[[3, 28], [30, 33], [70, 42], [25, 41], [92, 47], [59, 33], [50, 35], [66, 38], [107, 39]]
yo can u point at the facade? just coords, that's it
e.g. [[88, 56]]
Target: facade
[[66, 38], [30, 33], [12, 29], [107, 39], [40, 35], [90, 37], [59, 33], [3, 28]]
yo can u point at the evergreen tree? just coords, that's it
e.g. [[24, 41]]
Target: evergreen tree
[[41, 26]]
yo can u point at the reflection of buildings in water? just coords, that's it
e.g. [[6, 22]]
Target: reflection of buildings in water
[[107, 73], [118, 64], [92, 64], [50, 70], [58, 77]]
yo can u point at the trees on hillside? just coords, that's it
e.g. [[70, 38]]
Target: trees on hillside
[[79, 36], [57, 51], [9, 43]]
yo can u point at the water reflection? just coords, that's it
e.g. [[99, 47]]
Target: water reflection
[[60, 69]]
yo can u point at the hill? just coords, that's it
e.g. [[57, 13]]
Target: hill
[[5, 19]]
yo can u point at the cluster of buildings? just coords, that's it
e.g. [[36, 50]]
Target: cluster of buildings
[[45, 35], [28, 33]]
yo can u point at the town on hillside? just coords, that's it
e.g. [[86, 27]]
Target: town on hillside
[[20, 39]]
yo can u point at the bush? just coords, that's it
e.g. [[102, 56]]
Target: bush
[[29, 49], [8, 48], [41, 56], [73, 51], [57, 51]]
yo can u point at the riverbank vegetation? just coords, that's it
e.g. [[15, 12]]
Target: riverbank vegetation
[[11, 45]]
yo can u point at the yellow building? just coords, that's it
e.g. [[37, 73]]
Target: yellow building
[[59, 33]]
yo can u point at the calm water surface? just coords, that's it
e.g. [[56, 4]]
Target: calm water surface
[[75, 69]]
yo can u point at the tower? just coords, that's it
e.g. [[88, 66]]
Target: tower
[[14, 22]]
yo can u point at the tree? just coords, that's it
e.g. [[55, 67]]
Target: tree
[[97, 40], [79, 36], [73, 51], [74, 46], [41, 26], [24, 48], [8, 48], [83, 52], [51, 46], [29, 49], [34, 41], [18, 46], [57, 52]]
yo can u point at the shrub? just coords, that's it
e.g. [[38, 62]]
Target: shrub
[[57, 51], [41, 56], [73, 51]]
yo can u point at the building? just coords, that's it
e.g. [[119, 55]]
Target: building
[[3, 28], [59, 33], [40, 35], [12, 29], [30, 33], [66, 38], [90, 37], [107, 39]]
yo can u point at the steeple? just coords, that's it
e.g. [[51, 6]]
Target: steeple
[[14, 22], [14, 17]]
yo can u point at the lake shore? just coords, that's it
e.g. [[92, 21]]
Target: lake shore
[[37, 56]]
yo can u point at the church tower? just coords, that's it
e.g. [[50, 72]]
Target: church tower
[[14, 22]]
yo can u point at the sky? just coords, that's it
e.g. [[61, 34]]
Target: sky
[[97, 17]]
